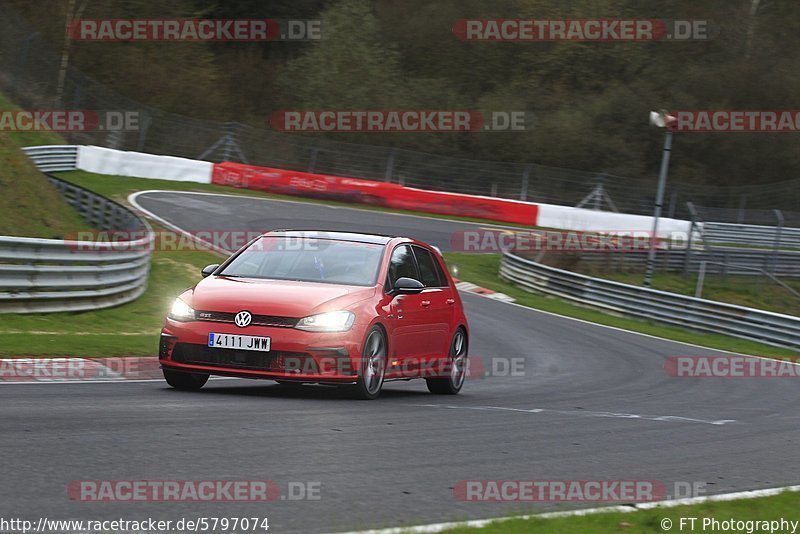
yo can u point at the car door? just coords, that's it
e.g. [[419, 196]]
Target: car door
[[409, 317], [439, 302]]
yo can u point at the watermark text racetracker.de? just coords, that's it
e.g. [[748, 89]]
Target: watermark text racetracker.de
[[179, 241], [78, 369], [491, 240], [397, 120], [477, 367], [68, 120], [607, 491], [139, 526], [600, 30], [734, 366], [194, 30], [734, 121], [126, 491]]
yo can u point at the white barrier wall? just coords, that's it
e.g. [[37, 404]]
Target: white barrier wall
[[117, 162], [582, 219]]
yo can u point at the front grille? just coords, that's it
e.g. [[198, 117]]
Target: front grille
[[275, 360], [258, 320]]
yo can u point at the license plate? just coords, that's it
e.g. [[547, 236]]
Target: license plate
[[235, 341]]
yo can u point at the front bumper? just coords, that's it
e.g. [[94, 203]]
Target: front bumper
[[295, 355]]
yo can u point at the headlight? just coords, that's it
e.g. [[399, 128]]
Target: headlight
[[181, 311], [338, 321]]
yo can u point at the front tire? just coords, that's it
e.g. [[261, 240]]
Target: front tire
[[454, 381], [185, 381], [373, 365]]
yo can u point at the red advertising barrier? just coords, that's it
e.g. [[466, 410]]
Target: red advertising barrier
[[359, 191]]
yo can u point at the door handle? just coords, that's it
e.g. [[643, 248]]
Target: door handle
[[451, 301], [425, 303]]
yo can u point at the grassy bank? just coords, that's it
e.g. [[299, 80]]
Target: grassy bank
[[29, 205]]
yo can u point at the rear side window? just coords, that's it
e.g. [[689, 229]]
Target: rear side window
[[429, 269], [402, 265]]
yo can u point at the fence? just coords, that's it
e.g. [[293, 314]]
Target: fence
[[50, 275], [720, 260], [670, 308], [751, 234], [29, 71]]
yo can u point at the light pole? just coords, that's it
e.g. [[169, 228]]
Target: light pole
[[663, 120]]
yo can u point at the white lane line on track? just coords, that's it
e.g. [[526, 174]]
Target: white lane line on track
[[212, 247], [133, 196], [478, 523], [583, 413]]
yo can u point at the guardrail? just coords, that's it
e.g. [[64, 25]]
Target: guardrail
[[53, 158], [720, 260], [751, 234], [51, 275], [670, 308]]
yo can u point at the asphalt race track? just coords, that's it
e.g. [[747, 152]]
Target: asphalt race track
[[593, 403]]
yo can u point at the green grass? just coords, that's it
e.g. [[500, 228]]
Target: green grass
[[128, 330], [782, 506], [752, 291], [482, 269], [29, 138], [29, 205]]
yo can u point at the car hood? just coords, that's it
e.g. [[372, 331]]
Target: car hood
[[274, 297]]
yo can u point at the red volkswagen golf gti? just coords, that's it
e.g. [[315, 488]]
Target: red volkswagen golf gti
[[321, 307]]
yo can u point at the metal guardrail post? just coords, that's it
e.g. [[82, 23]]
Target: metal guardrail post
[[312, 159], [777, 245], [689, 242], [701, 278], [387, 177], [742, 205], [523, 188]]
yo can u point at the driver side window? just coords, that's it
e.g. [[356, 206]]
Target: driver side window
[[401, 264]]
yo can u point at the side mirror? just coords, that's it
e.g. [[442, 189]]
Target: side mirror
[[208, 269], [407, 286]]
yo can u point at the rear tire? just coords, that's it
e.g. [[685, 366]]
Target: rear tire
[[373, 365], [457, 370], [185, 381]]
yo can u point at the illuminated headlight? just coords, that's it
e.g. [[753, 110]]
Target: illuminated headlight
[[181, 311], [338, 321]]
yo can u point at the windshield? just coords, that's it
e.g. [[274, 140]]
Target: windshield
[[308, 260]]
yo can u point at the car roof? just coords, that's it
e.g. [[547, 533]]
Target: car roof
[[335, 236]]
